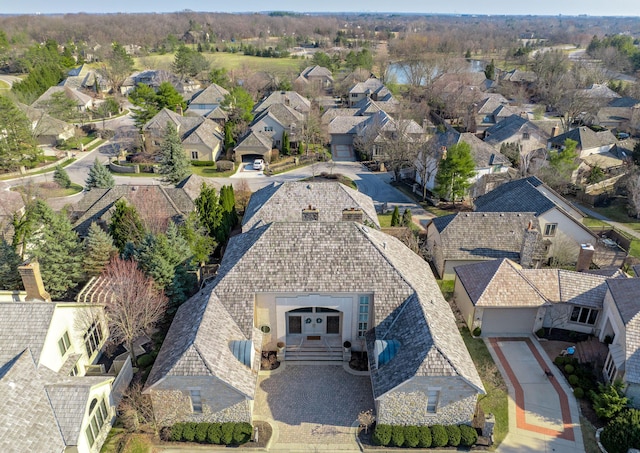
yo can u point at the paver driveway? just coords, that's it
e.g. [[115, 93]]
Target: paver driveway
[[312, 407]]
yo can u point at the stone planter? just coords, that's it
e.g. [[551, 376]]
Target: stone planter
[[281, 350], [346, 351]]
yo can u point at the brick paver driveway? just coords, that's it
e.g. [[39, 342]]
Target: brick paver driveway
[[312, 405]]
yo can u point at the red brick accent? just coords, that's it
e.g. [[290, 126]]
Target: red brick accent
[[567, 432]]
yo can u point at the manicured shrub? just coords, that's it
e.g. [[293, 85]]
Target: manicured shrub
[[540, 333], [468, 435], [176, 432], [225, 165], [189, 431], [477, 332], [569, 369], [573, 380], [453, 433], [424, 437], [203, 163], [144, 360], [201, 432], [214, 433], [382, 435], [242, 433], [578, 392], [397, 435], [623, 432], [227, 433], [439, 436], [411, 436]]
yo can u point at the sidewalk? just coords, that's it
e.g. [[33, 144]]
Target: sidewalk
[[591, 213]]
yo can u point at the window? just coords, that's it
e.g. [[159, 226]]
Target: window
[[525, 136], [98, 415], [64, 344], [550, 229], [194, 155], [196, 401], [363, 315], [93, 338], [584, 315], [268, 128], [610, 368], [432, 401], [354, 95]]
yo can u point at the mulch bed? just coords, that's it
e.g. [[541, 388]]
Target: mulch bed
[[264, 434], [359, 361], [269, 361]]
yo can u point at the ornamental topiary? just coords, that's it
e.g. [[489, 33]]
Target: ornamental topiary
[[468, 435], [227, 433], [411, 436], [439, 436], [424, 437], [242, 433], [573, 380], [382, 435], [477, 332], [201, 432], [569, 369], [214, 433], [623, 432], [176, 432], [453, 432], [397, 435], [578, 392], [189, 431]]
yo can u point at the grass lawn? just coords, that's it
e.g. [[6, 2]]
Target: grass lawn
[[119, 441], [211, 172], [495, 401], [40, 172], [229, 61], [588, 436]]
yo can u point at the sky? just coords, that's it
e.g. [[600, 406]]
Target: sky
[[495, 7]]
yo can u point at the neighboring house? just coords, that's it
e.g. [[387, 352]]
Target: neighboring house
[[47, 129], [589, 141], [517, 130], [491, 110], [292, 201], [154, 77], [202, 139], [254, 143], [371, 88], [486, 158], [344, 129], [519, 78], [83, 77], [12, 203], [289, 98], [277, 119], [317, 76], [451, 84], [560, 222], [206, 101], [310, 282], [619, 113], [470, 237], [82, 101], [55, 393], [156, 206]]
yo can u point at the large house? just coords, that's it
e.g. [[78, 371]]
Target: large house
[[589, 141], [299, 283], [206, 101], [55, 392]]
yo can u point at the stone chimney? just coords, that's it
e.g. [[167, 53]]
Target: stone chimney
[[352, 215], [32, 281], [529, 246], [555, 130], [584, 257], [310, 214]]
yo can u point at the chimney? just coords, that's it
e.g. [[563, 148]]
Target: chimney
[[352, 215], [584, 257], [32, 281], [554, 131], [310, 214], [529, 246]]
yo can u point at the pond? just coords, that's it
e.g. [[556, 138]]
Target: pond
[[397, 73]]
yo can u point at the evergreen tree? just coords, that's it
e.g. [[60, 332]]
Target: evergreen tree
[[59, 252], [9, 262], [125, 225], [406, 218], [210, 212], [490, 70], [454, 171], [229, 141], [200, 243], [99, 177], [99, 249], [17, 145], [286, 145], [228, 203], [61, 177], [174, 164], [395, 217]]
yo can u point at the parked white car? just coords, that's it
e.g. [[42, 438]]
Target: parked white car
[[258, 164]]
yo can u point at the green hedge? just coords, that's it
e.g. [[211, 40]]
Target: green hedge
[[229, 433], [203, 163], [424, 436], [623, 432]]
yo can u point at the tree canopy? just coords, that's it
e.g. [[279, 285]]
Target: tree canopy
[[188, 62], [99, 177], [18, 146], [454, 171], [174, 164]]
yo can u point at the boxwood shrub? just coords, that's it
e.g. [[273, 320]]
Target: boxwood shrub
[[176, 432], [573, 380], [225, 165], [453, 432], [203, 163], [213, 433], [411, 436], [439, 436], [382, 435], [424, 437], [201, 432], [468, 435], [569, 369], [397, 436], [578, 392], [189, 431], [227, 433], [242, 433]]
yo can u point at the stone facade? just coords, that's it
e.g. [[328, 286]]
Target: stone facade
[[220, 403], [407, 405]]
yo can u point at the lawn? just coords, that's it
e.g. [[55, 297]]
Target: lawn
[[211, 172], [229, 61], [495, 400], [119, 441]]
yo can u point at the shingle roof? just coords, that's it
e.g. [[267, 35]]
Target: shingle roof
[[515, 196], [586, 138], [69, 402], [347, 124], [290, 98], [483, 235], [213, 94], [79, 98], [508, 127], [256, 139], [625, 296], [285, 202], [483, 154], [16, 333], [283, 114]]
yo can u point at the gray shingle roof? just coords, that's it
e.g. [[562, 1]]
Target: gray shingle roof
[[515, 196], [483, 154], [290, 98], [69, 402], [213, 94], [510, 126], [16, 333], [586, 138], [285, 202], [625, 296]]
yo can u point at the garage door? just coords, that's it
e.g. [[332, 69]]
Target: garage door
[[505, 321]]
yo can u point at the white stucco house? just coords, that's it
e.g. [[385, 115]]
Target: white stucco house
[[306, 284]]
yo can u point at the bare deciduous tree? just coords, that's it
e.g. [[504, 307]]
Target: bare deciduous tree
[[135, 305], [135, 410], [557, 315], [366, 419], [633, 192]]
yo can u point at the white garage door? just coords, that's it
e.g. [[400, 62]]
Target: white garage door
[[505, 321]]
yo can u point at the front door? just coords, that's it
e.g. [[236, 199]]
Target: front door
[[313, 321]]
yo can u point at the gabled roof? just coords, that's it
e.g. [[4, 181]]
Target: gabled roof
[[218, 114], [257, 139], [483, 235], [491, 102], [625, 297], [316, 71], [282, 114], [213, 94], [285, 202], [24, 325], [515, 196], [289, 98], [585, 137], [510, 126], [484, 155], [44, 124], [79, 98], [347, 124]]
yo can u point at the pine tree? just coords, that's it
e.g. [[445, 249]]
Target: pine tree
[[395, 217], [174, 164], [125, 225], [227, 201], [454, 172], [406, 218], [286, 145], [59, 253], [229, 141], [18, 145], [61, 177], [99, 177], [210, 212], [99, 249], [200, 243], [9, 262]]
